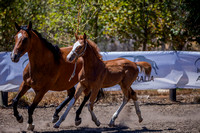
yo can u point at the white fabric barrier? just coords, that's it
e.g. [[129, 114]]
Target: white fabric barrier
[[170, 69]]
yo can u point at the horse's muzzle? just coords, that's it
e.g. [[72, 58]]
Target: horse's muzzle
[[70, 57], [15, 57]]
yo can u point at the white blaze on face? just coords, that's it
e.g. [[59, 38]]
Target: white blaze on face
[[73, 49], [76, 45], [19, 35]]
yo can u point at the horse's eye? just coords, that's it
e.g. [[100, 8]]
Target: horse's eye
[[25, 39]]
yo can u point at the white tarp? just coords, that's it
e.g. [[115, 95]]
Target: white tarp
[[170, 69]]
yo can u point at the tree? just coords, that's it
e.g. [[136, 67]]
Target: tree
[[192, 19]]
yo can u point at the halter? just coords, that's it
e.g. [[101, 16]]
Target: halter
[[77, 55], [81, 54]]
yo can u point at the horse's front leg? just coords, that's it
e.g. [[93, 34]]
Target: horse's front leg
[[91, 104], [60, 107], [78, 92], [78, 112], [22, 90], [38, 97]]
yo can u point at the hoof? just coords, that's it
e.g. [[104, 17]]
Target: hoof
[[97, 123], [78, 122], [55, 119], [56, 126], [140, 120], [30, 127], [20, 119], [111, 124]]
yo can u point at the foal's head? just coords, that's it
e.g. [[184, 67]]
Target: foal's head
[[22, 39], [78, 48]]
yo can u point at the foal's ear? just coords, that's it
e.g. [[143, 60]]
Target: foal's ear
[[76, 36], [84, 36], [29, 26], [17, 26]]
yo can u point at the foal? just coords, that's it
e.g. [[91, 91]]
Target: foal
[[97, 74]]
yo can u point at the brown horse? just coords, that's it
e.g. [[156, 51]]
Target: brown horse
[[47, 70], [97, 73]]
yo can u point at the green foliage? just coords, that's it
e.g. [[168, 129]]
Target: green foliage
[[150, 23], [191, 20]]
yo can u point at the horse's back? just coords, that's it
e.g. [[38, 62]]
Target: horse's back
[[118, 69], [120, 62]]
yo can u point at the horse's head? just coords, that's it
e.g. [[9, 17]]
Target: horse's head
[[78, 48], [22, 40]]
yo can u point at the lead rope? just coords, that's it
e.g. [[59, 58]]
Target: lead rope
[[73, 74]]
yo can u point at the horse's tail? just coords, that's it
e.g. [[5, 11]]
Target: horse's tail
[[144, 67]]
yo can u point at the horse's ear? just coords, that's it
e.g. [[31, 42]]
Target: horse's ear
[[29, 26], [85, 36], [76, 36], [17, 26]]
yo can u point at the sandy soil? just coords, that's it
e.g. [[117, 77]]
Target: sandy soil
[[167, 117]]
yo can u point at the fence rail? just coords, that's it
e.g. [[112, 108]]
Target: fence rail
[[170, 70]]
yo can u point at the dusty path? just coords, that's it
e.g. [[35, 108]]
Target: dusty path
[[175, 118]]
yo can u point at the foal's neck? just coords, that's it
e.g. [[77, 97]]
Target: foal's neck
[[90, 58]]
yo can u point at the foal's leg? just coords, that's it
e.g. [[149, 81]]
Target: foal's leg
[[137, 109], [60, 107], [126, 98], [78, 112], [23, 89], [115, 115], [91, 104], [79, 90], [38, 97]]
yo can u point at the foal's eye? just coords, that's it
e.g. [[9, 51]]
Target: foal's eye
[[79, 48]]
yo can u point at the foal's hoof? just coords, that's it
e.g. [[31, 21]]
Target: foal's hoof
[[111, 124], [140, 120], [78, 122], [56, 126], [97, 123], [30, 127], [20, 119], [55, 119]]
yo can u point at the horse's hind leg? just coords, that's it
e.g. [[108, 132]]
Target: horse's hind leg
[[115, 115], [137, 109], [22, 90], [38, 97], [60, 107]]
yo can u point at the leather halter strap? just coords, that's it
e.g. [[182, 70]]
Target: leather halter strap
[[77, 55]]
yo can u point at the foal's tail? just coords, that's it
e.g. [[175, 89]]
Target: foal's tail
[[144, 67]]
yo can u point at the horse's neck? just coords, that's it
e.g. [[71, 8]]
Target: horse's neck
[[38, 54], [91, 61]]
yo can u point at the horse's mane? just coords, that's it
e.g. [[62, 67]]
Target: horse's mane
[[95, 48], [53, 48]]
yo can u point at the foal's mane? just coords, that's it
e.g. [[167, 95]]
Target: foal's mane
[[95, 48], [53, 48]]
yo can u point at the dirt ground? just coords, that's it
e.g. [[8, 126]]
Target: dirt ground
[[159, 114]]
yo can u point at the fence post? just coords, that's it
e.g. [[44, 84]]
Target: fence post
[[172, 94], [3, 98]]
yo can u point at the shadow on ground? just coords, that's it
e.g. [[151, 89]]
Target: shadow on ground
[[116, 129]]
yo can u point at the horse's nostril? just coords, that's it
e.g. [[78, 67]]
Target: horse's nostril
[[15, 57]]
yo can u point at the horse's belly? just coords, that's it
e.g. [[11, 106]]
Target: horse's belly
[[112, 80]]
